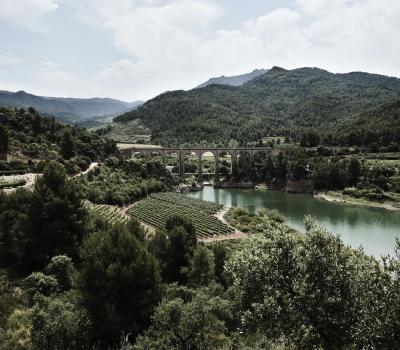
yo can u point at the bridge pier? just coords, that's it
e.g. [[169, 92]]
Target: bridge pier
[[199, 165], [252, 158], [181, 164], [234, 165], [216, 167], [182, 152]]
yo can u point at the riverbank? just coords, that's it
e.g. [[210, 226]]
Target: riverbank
[[332, 196]]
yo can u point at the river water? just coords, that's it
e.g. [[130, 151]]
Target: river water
[[374, 229]]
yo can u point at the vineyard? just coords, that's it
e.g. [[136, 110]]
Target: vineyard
[[110, 213], [171, 197], [156, 209]]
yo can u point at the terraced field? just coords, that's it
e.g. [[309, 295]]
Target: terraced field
[[110, 213], [156, 209]]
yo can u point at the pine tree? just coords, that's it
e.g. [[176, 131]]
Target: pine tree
[[67, 145]]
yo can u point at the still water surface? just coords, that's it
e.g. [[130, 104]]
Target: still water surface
[[374, 229]]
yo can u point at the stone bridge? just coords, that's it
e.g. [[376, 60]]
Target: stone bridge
[[234, 153]]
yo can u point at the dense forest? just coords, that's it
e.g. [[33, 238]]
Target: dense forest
[[279, 103], [30, 140]]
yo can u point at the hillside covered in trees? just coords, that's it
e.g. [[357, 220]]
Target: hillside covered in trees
[[278, 103], [28, 140]]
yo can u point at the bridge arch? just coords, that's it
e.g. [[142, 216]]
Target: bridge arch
[[236, 155]]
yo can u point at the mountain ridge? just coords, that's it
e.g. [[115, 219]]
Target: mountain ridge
[[67, 109], [234, 80], [278, 102]]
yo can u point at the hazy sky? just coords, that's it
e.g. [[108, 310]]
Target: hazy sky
[[136, 49]]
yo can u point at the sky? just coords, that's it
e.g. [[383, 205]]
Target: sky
[[137, 49]]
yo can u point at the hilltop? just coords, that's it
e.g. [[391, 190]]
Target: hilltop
[[236, 80]]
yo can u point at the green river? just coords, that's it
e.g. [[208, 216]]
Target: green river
[[374, 229]]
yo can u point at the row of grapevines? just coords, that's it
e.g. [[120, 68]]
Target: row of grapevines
[[110, 213], [155, 211]]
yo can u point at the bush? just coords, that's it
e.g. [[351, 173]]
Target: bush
[[39, 283]]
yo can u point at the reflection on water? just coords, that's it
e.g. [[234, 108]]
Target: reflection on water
[[374, 229]]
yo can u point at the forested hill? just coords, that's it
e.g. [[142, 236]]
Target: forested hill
[[28, 139], [70, 110], [279, 102], [236, 80]]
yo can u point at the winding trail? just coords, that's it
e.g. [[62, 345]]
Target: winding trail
[[150, 228], [220, 215], [30, 178], [90, 168]]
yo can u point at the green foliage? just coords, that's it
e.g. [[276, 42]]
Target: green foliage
[[62, 268], [125, 182], [120, 284], [39, 283], [334, 172], [252, 223], [59, 322], [49, 221], [13, 167], [56, 219], [67, 145], [17, 335], [174, 247], [354, 170], [187, 319], [4, 139], [220, 253], [35, 137], [315, 292], [202, 267], [309, 138]]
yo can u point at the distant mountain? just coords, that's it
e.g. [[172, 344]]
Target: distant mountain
[[68, 110], [236, 80], [278, 102]]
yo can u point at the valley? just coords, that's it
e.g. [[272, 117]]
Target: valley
[[214, 199], [199, 175]]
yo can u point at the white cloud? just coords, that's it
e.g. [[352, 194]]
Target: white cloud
[[173, 44], [8, 60], [26, 13], [361, 35], [57, 82]]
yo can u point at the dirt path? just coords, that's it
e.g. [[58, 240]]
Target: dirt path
[[124, 210], [235, 235], [30, 178], [151, 229], [90, 168]]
